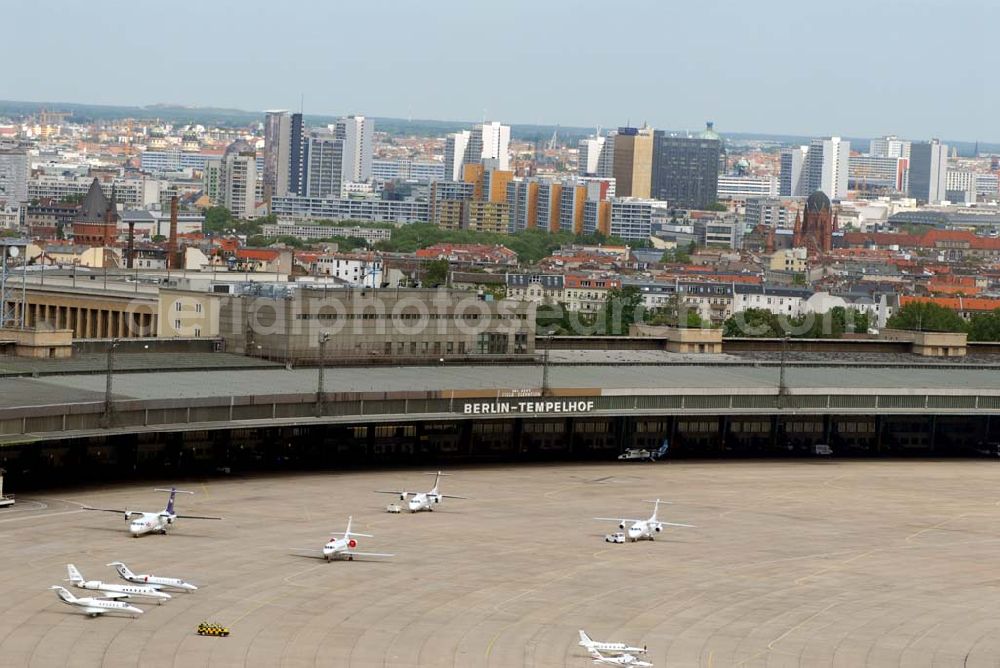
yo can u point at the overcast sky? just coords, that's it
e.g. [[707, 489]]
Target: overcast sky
[[918, 68]]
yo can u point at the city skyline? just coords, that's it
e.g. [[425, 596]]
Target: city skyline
[[668, 79]]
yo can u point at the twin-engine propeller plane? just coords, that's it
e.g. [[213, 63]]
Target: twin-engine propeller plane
[[644, 529], [145, 522], [115, 590], [423, 500]]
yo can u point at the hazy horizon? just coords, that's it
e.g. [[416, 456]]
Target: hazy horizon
[[857, 69]]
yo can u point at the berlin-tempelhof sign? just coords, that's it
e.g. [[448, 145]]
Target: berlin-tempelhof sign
[[527, 407]]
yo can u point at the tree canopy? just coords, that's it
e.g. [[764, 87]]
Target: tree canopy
[[927, 317], [985, 326]]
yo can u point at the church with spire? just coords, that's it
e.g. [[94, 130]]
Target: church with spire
[[814, 231], [96, 224]]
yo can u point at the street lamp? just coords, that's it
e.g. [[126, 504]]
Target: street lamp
[[323, 338], [109, 407], [782, 387]]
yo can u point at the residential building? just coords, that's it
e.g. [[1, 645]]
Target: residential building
[[14, 172], [313, 232], [792, 260], [238, 180], [889, 146], [455, 147], [356, 270], [421, 171], [631, 218], [826, 167], [324, 175], [358, 135], [791, 181], [593, 158], [368, 209], [277, 153], [686, 169], [928, 174], [878, 173], [747, 187], [772, 212], [788, 302], [298, 155], [632, 167]]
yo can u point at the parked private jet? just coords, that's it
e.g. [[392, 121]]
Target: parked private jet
[[614, 647], [115, 590], [423, 500], [155, 580], [620, 660], [154, 522], [95, 606], [343, 547], [644, 529]]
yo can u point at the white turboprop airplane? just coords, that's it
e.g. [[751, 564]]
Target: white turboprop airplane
[[621, 660], [154, 522], [644, 529], [95, 606], [423, 500], [155, 580], [614, 647], [343, 547], [115, 590]]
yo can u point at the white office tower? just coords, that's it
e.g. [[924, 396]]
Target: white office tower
[[826, 167], [928, 173], [13, 176], [325, 165], [238, 180], [791, 182], [454, 154], [277, 157], [596, 157], [489, 141], [358, 134], [889, 146]]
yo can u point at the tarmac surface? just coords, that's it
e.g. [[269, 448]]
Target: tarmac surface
[[809, 563]]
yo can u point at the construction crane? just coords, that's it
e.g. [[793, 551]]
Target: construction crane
[[551, 146]]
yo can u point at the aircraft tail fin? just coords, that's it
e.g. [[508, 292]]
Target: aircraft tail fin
[[585, 639], [63, 593], [74, 575], [122, 569], [170, 501]]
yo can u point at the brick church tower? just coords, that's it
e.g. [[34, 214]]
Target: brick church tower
[[96, 224]]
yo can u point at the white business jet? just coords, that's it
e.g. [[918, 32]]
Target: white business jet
[[156, 580], [115, 590], [154, 522], [95, 606], [423, 500], [620, 660], [589, 644], [644, 529], [343, 547]]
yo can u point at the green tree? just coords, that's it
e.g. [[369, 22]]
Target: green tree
[[158, 238], [985, 326], [622, 308], [927, 317], [436, 273], [217, 220], [755, 323]]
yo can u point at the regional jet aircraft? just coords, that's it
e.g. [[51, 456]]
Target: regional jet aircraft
[[95, 606], [343, 547], [423, 500], [115, 590], [156, 580], [154, 522], [644, 529]]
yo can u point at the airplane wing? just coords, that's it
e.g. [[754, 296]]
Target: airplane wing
[[617, 519], [386, 491], [197, 517], [368, 554], [311, 553], [353, 533], [675, 524], [113, 595], [452, 496], [107, 510]]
